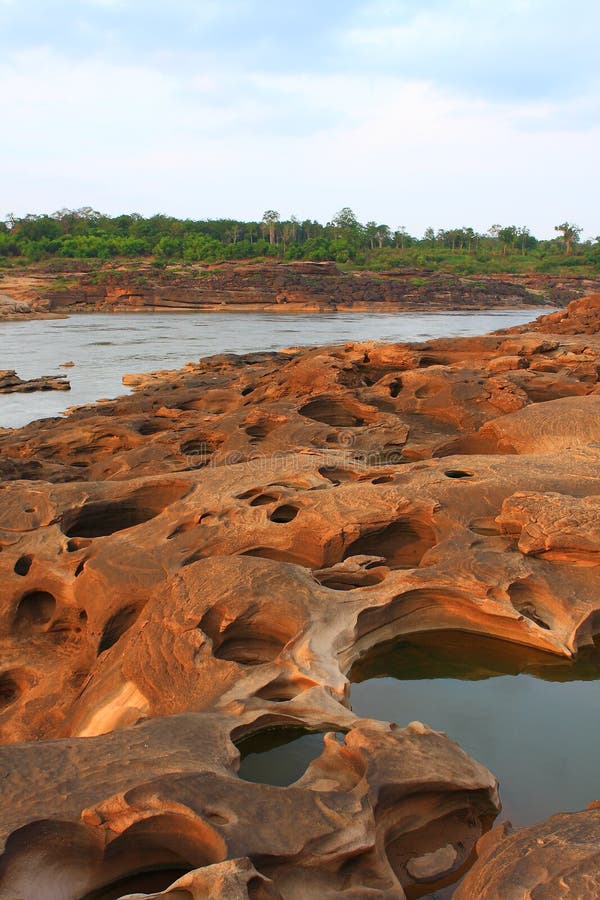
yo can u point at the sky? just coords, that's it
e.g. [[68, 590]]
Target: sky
[[414, 113]]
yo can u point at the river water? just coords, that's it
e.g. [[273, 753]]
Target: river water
[[105, 346]]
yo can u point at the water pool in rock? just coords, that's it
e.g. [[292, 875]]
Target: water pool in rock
[[532, 719], [278, 756]]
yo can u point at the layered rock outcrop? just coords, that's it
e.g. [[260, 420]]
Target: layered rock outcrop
[[209, 557], [286, 287]]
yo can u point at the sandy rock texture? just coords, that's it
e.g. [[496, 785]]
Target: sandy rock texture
[[209, 557], [556, 860]]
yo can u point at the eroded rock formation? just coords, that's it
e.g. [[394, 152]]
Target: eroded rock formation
[[209, 557], [10, 383], [558, 859]]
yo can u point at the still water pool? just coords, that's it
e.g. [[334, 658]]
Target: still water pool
[[533, 721], [104, 346]]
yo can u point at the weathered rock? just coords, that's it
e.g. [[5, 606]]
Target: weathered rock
[[9, 307], [10, 383], [210, 556], [285, 286], [557, 860]]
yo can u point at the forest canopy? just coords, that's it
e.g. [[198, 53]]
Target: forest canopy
[[88, 234]]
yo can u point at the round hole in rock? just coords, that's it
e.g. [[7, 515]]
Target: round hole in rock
[[402, 543], [249, 643], [337, 476], [197, 447], [23, 565], [10, 689], [76, 544], [331, 412], [278, 756], [258, 430], [117, 625], [249, 640], [98, 518], [395, 387], [339, 580], [35, 609], [154, 852], [148, 428], [531, 600], [282, 690], [458, 473], [264, 499], [285, 556], [284, 514]]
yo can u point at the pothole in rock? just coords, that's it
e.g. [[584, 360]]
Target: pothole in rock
[[284, 514], [12, 685], [332, 412], [532, 718], [250, 639], [98, 518], [154, 852], [34, 612], [278, 756], [117, 625], [23, 565], [402, 543]]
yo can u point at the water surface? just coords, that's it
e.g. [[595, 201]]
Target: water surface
[[533, 722], [105, 346]]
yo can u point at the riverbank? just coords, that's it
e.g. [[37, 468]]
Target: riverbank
[[281, 287]]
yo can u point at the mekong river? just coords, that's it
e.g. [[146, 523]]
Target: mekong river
[[105, 346]]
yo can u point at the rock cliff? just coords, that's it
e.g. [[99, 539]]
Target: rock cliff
[[300, 286]]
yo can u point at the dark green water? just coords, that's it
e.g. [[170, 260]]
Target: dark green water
[[533, 722], [279, 756]]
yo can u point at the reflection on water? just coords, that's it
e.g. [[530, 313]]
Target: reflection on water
[[278, 756], [104, 346], [532, 720]]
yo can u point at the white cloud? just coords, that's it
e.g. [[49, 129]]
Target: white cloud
[[217, 143]]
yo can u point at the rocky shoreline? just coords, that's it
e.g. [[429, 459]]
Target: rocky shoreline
[[207, 558], [278, 287]]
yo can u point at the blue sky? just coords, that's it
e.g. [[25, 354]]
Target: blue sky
[[439, 112]]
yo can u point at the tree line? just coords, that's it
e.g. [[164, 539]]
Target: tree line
[[88, 234]]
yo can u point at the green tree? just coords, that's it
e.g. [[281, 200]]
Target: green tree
[[271, 219], [570, 234]]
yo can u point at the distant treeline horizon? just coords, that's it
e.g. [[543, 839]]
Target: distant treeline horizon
[[88, 234]]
